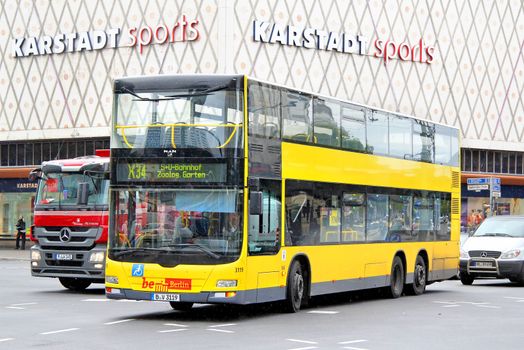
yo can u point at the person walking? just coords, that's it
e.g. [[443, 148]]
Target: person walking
[[20, 227]]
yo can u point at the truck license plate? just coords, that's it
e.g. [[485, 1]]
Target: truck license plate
[[63, 256], [165, 297]]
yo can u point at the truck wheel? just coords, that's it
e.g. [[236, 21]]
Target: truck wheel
[[397, 279], [181, 305], [419, 278], [74, 284], [295, 288], [466, 278]]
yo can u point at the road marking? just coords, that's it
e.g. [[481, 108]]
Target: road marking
[[15, 307], [353, 348], [352, 341], [303, 341], [23, 304], [60, 331], [6, 339], [175, 325], [305, 348], [452, 305], [323, 312], [219, 330], [120, 321], [173, 330], [96, 300], [489, 306], [223, 325]]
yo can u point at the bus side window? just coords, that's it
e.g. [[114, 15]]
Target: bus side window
[[264, 234]]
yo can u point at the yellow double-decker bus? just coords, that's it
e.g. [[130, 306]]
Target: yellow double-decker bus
[[226, 189]]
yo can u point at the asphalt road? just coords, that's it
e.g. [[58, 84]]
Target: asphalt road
[[39, 313]]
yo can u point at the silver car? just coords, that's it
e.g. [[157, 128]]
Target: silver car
[[495, 250]]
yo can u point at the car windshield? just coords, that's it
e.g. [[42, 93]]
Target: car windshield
[[501, 227], [177, 226]]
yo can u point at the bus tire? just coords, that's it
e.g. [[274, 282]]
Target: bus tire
[[466, 279], [396, 280], [74, 284], [419, 278], [181, 305], [296, 288]]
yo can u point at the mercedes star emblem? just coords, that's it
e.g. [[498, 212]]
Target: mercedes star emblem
[[65, 234], [484, 254]]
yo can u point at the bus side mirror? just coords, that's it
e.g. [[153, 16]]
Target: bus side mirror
[[255, 203], [82, 193], [35, 174]]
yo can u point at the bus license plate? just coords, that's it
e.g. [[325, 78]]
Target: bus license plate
[[483, 264], [165, 297], [63, 256]]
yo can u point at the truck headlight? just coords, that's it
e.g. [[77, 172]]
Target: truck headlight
[[464, 254], [35, 255], [510, 254], [226, 283], [97, 257]]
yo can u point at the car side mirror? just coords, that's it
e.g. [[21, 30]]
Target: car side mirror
[[255, 203], [82, 193]]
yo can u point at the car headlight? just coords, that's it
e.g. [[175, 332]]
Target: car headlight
[[227, 283], [35, 255], [97, 257], [510, 254], [464, 254]]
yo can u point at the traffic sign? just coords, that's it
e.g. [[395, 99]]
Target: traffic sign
[[495, 181], [495, 194], [495, 188], [479, 181], [477, 187]]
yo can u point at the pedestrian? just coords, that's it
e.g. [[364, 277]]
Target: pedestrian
[[20, 227]]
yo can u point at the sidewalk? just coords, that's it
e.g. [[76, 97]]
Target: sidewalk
[[8, 251]]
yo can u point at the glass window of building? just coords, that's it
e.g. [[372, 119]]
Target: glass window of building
[[353, 128], [264, 110], [400, 137], [377, 133], [353, 217], [423, 141], [296, 116], [326, 121]]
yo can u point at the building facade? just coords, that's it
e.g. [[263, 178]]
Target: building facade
[[457, 63]]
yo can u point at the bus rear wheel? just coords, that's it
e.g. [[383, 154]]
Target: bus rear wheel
[[419, 278], [181, 305], [397, 279], [74, 284], [295, 293]]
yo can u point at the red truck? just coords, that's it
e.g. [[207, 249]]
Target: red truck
[[71, 219]]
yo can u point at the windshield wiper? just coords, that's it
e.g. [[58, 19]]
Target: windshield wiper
[[132, 251], [175, 96], [200, 247]]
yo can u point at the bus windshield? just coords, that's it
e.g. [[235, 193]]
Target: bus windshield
[[177, 226], [58, 190], [178, 118]]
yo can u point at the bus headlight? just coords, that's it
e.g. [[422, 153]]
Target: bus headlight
[[464, 254], [97, 257], [226, 283], [510, 254], [35, 255]]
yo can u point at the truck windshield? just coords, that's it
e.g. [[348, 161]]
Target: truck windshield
[[179, 118], [170, 227], [59, 190]]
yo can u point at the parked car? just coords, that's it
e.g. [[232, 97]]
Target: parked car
[[494, 250]]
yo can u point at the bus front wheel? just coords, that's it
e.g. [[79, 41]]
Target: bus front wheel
[[181, 305], [419, 278], [396, 279], [295, 287], [74, 284]]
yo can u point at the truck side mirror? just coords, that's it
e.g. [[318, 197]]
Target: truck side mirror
[[255, 203], [82, 193]]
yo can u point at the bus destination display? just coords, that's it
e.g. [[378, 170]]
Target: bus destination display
[[171, 172]]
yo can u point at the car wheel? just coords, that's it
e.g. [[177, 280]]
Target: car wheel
[[419, 278], [466, 278], [397, 279]]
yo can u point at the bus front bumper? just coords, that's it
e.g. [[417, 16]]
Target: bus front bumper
[[237, 297]]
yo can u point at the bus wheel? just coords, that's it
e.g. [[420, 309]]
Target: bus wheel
[[396, 279], [419, 278], [181, 305], [74, 284], [295, 287], [466, 278]]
